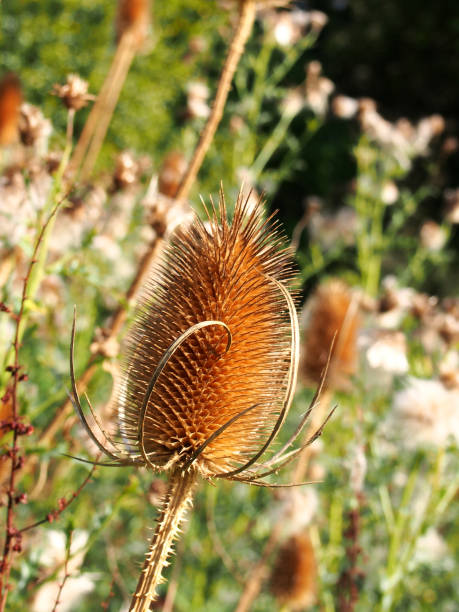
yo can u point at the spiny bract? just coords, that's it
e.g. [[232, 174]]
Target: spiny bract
[[235, 277]]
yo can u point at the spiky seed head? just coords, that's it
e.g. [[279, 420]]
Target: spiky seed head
[[224, 272], [331, 324], [10, 102], [294, 576]]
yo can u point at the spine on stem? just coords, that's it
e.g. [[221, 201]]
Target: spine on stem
[[178, 500]]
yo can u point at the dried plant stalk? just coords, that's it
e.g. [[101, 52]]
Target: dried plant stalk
[[132, 25], [247, 12], [333, 320], [176, 503]]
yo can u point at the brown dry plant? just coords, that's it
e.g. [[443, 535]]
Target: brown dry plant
[[330, 334], [10, 103], [132, 24], [294, 576], [210, 368]]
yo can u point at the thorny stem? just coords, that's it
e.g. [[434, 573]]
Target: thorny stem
[[176, 503], [10, 530], [66, 574], [241, 35], [63, 504]]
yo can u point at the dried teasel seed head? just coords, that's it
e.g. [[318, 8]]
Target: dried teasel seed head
[[171, 173], [133, 16], [332, 322], [220, 296], [74, 92], [294, 577], [10, 102], [34, 129]]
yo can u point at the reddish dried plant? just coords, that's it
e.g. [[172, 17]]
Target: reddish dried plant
[[10, 103], [330, 334], [133, 16], [294, 576], [210, 367]]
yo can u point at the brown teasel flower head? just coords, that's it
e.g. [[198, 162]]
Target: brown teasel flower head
[[294, 576], [10, 102], [210, 362], [133, 16], [330, 333], [74, 93]]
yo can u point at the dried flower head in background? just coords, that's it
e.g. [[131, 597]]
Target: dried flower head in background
[[344, 107], [171, 173], [385, 351], [127, 170], [294, 577], [332, 321], [10, 102], [451, 197], [317, 88], [133, 17], [425, 413], [432, 236], [34, 129], [74, 93], [197, 104]]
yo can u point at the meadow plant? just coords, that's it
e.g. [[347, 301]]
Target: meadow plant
[[186, 339]]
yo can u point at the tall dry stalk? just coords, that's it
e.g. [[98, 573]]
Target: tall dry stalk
[[247, 12], [132, 25]]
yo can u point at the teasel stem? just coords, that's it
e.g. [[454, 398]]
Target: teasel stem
[[127, 50], [243, 29], [97, 122], [177, 501]]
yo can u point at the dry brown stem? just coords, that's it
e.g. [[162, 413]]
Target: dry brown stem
[[241, 34], [259, 572], [102, 109], [127, 50], [178, 500]]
